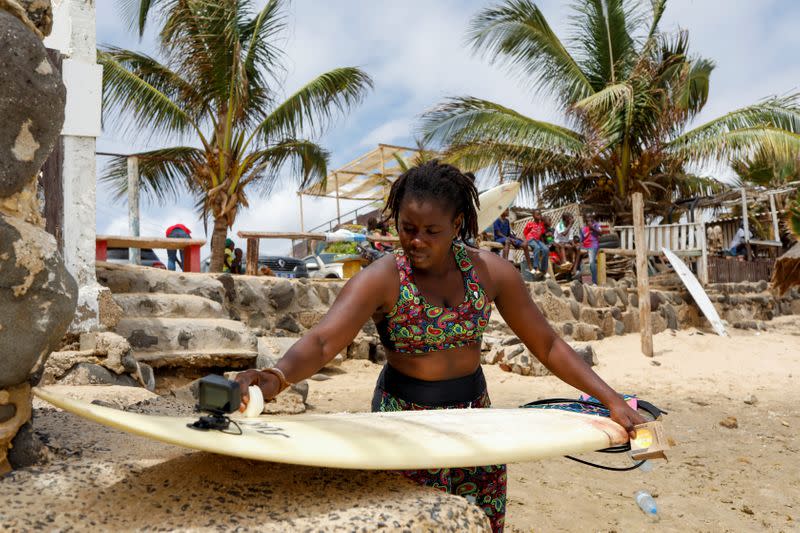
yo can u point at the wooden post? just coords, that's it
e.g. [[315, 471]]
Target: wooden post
[[703, 265], [134, 255], [776, 235], [642, 279], [746, 225], [338, 211], [601, 267], [302, 224], [251, 267]]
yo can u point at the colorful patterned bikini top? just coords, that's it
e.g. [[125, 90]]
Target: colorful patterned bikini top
[[414, 326]]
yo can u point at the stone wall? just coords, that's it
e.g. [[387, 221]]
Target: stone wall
[[37, 294]]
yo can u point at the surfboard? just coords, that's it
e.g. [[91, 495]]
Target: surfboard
[[375, 441], [494, 202], [697, 292]]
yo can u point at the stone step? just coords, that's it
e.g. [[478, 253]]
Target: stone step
[[121, 278], [181, 334], [231, 358], [155, 305]]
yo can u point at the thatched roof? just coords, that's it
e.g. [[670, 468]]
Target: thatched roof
[[787, 270]]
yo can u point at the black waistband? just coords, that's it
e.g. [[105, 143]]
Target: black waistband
[[432, 393]]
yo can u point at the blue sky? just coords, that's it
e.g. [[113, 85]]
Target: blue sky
[[415, 52]]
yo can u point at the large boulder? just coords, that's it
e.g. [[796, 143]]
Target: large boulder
[[32, 98], [37, 298]]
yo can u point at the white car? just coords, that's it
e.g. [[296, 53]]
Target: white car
[[323, 266]]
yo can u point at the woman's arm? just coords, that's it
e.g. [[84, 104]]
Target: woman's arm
[[360, 298], [524, 318]]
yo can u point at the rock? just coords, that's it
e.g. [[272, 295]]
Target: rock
[[634, 300], [568, 328], [359, 349], [309, 319], [607, 325], [510, 341], [289, 402], [554, 288], [377, 354], [146, 376], [657, 322], [590, 316], [591, 296], [576, 287], [670, 316], [585, 332], [320, 377], [288, 323], [40, 13], [336, 361], [282, 294], [585, 352], [555, 309], [730, 423], [656, 299], [622, 295], [575, 308], [59, 363], [511, 353], [619, 327], [114, 348], [610, 296], [302, 389], [91, 374], [32, 98], [610, 282], [752, 400], [37, 295], [631, 321], [307, 297], [28, 449]]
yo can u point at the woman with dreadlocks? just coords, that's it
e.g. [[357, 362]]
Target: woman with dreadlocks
[[431, 302]]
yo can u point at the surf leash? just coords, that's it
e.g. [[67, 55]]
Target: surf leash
[[588, 405]]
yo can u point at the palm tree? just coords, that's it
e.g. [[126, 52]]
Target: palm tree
[[628, 93], [218, 87]]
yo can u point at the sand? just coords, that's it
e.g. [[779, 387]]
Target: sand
[[717, 479]]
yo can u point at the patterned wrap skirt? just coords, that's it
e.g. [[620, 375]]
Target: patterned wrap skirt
[[484, 486]]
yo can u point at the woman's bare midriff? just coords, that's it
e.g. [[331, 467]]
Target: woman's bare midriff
[[438, 366]]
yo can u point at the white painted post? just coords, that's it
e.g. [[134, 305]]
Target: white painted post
[[338, 210], [776, 235], [74, 36], [746, 223], [134, 254], [703, 265]]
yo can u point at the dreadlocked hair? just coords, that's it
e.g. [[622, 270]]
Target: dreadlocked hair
[[440, 182]]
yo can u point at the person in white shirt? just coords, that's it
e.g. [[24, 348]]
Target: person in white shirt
[[738, 245], [562, 237]]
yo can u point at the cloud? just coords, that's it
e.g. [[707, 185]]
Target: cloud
[[415, 51]]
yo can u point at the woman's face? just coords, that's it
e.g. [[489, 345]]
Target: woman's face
[[426, 230]]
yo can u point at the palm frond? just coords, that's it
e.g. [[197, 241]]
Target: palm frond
[[153, 111], [164, 174], [263, 59], [604, 35], [462, 120], [308, 160], [517, 35], [314, 105]]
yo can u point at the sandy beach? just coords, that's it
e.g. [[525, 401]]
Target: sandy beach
[[717, 478]]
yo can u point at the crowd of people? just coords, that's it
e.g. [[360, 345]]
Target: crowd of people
[[564, 245]]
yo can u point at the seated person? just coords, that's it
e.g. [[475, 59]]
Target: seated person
[[562, 237], [504, 235], [738, 246], [534, 232]]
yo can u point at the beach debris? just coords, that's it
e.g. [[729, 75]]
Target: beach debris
[[320, 377], [784, 423], [730, 423], [746, 510], [655, 363], [752, 400]]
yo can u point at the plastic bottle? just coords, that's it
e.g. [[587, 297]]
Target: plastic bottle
[[646, 467], [646, 503]]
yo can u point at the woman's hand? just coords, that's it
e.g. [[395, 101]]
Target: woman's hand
[[267, 382], [627, 417]]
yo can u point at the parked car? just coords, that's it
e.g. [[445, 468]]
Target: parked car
[[148, 257], [324, 266], [282, 266]]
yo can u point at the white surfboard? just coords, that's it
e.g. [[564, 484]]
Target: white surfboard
[[697, 292], [494, 202], [375, 441]]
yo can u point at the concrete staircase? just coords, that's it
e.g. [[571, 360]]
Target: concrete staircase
[[180, 330]]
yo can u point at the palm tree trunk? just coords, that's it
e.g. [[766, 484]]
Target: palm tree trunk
[[218, 237]]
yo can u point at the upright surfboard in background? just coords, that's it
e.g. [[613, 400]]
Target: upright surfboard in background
[[697, 292], [494, 202], [375, 441]]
